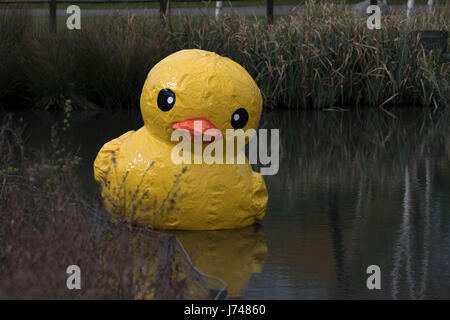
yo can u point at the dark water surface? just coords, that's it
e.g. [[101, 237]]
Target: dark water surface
[[354, 189]]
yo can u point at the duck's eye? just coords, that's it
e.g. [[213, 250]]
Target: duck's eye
[[166, 99], [239, 118]]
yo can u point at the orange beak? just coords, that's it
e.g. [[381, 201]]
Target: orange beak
[[200, 127]]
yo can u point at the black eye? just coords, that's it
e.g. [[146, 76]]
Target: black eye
[[166, 99], [239, 118]]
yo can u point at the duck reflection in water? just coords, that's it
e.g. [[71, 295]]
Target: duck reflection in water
[[231, 255]]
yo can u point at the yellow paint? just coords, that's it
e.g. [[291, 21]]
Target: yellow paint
[[139, 180]]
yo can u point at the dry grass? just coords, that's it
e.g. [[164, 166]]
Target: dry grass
[[45, 226]]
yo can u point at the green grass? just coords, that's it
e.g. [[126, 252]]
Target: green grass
[[330, 59]]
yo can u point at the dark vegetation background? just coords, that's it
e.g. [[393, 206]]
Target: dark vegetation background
[[320, 58]]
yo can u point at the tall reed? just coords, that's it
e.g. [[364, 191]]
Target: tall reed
[[322, 57]]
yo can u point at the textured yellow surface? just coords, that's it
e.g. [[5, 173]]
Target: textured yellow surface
[[139, 179]]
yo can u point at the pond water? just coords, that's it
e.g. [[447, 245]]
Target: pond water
[[354, 189]]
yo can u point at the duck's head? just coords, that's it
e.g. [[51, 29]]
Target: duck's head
[[197, 85]]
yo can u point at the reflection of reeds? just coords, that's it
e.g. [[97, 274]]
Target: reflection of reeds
[[402, 251], [360, 156], [320, 58], [403, 246], [340, 146], [426, 240]]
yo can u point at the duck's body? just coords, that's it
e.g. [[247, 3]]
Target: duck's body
[[205, 197], [141, 182]]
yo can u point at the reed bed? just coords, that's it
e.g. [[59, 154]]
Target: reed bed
[[323, 57]]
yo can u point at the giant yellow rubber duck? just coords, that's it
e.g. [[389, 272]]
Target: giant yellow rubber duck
[[139, 179]]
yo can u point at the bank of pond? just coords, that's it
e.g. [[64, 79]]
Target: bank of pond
[[322, 57]]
